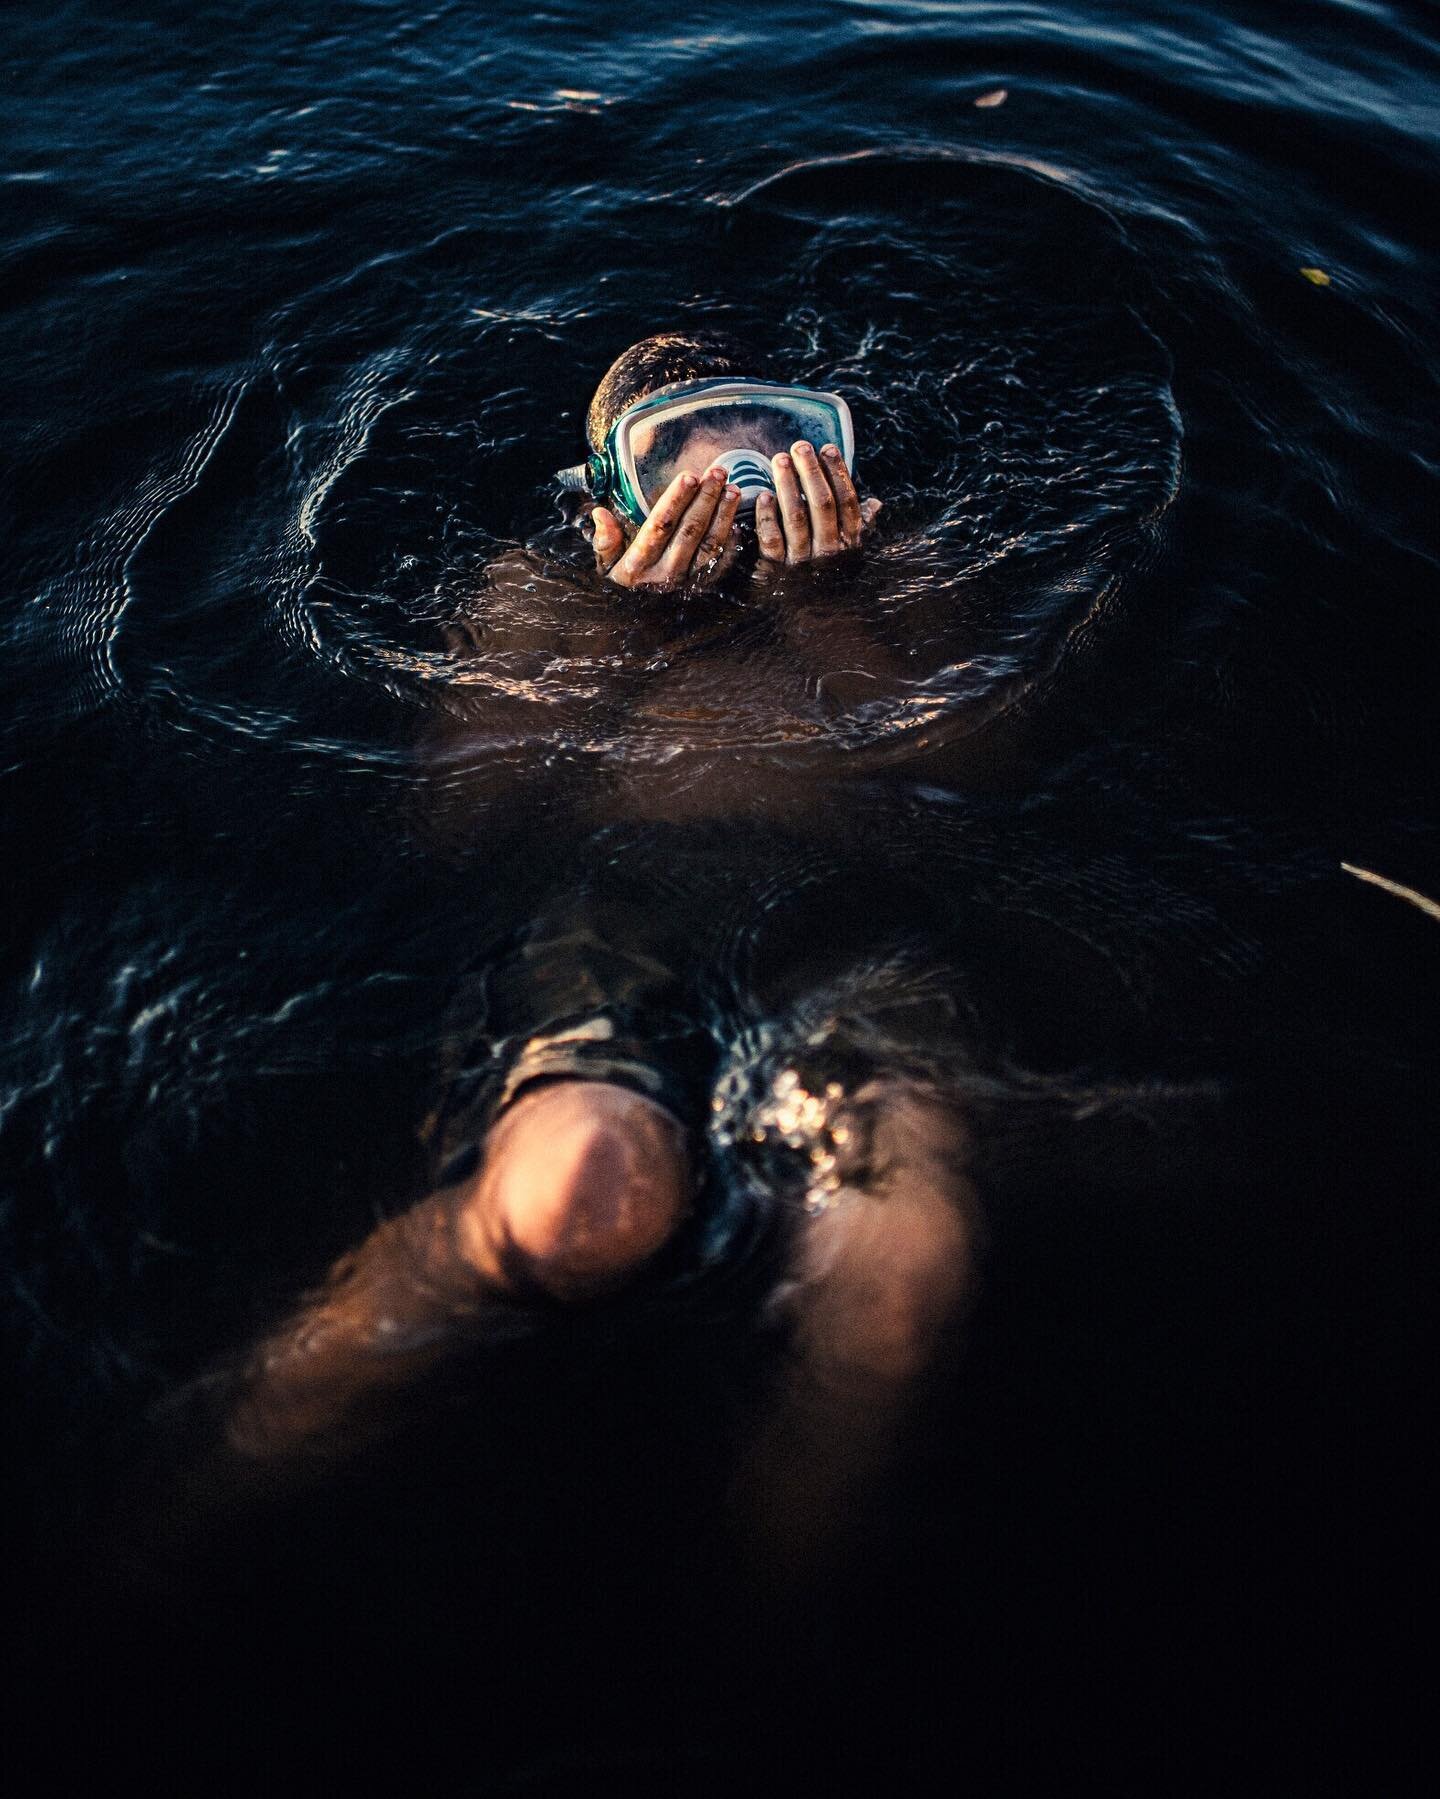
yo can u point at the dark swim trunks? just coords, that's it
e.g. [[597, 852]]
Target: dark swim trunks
[[586, 993], [590, 990]]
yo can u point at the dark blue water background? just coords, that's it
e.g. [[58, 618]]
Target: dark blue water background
[[302, 306]]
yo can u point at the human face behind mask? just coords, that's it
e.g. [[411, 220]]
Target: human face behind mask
[[685, 426], [691, 537]]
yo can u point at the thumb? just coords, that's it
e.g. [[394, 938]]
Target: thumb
[[609, 539]]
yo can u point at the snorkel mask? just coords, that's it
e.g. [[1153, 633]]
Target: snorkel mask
[[695, 425]]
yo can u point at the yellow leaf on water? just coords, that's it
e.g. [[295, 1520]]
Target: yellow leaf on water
[[1318, 276], [996, 97]]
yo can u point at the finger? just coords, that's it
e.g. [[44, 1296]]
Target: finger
[[728, 558], [674, 566], [794, 519], [847, 501], [718, 537], [819, 498], [652, 537], [609, 539], [869, 512], [768, 534]]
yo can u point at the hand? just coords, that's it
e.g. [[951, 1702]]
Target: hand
[[687, 541], [815, 516]]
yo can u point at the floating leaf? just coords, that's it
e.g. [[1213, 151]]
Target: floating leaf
[[1318, 276], [996, 97]]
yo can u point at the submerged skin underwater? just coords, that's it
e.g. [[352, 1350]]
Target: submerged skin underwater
[[1069, 800]]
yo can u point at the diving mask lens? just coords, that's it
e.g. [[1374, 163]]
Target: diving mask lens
[[737, 424]]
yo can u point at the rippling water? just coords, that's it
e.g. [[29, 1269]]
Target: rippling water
[[310, 701]]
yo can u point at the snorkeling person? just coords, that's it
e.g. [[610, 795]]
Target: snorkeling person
[[581, 1171]]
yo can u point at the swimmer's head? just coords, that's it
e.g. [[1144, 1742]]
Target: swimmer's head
[[656, 362], [681, 403]]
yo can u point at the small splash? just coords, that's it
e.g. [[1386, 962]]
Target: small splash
[[806, 1129]]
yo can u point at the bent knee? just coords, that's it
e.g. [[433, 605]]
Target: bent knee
[[894, 1279], [587, 1182]]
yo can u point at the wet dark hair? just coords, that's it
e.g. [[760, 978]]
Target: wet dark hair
[[656, 361]]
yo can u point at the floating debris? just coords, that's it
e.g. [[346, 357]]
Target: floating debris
[[1317, 276], [996, 97], [1429, 907]]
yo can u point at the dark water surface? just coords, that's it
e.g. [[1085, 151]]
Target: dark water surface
[[302, 306]]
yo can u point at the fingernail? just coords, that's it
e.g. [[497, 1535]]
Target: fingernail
[[799, 447], [687, 480], [782, 460], [831, 452], [732, 493], [715, 474]]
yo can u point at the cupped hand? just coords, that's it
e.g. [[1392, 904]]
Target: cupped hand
[[687, 541], [815, 511]]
